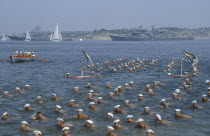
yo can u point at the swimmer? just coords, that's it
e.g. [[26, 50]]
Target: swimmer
[[140, 97], [5, 116], [163, 103], [98, 76], [68, 75], [57, 108], [66, 131], [149, 132], [126, 85], [175, 96], [89, 124], [119, 88], [72, 104], [146, 111], [6, 93], [187, 81], [130, 119], [54, 97], [27, 107], [39, 99], [110, 116], [93, 94], [76, 89], [90, 86], [147, 87], [118, 109], [92, 72], [126, 103], [90, 96], [116, 91], [158, 119], [111, 94], [195, 105], [27, 87], [116, 124], [141, 124], [178, 114], [24, 126], [37, 133], [131, 84], [204, 98], [17, 89], [109, 131], [108, 85], [100, 100], [38, 116], [92, 105], [60, 123]]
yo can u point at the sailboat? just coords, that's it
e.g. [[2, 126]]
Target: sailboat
[[57, 35], [85, 58], [189, 57], [28, 37], [4, 38], [51, 37]]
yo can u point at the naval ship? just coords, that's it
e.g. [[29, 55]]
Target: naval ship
[[153, 35]]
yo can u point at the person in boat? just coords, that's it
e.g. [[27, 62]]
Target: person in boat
[[100, 100], [92, 92], [66, 131], [72, 103], [163, 103], [90, 96], [90, 86], [39, 99], [140, 97], [98, 76], [111, 94], [158, 119], [60, 123], [204, 98], [54, 97], [5, 116], [118, 109], [141, 124], [57, 108], [126, 103], [27, 107], [131, 84], [92, 105], [38, 116], [76, 89], [116, 124], [149, 132], [88, 124], [24, 126], [109, 131], [27, 87], [178, 114], [37, 133], [108, 85], [6, 93], [68, 75], [80, 115], [110, 116], [130, 119], [17, 89], [187, 81]]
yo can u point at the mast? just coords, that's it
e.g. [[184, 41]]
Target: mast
[[181, 67], [28, 37]]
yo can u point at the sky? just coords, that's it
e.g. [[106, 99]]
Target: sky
[[78, 15]]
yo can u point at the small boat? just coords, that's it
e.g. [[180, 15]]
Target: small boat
[[4, 38], [57, 35], [28, 37], [22, 57]]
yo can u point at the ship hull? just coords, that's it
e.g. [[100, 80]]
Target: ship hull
[[17, 38], [130, 38], [16, 59]]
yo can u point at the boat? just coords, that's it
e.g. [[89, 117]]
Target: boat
[[138, 38], [28, 37], [51, 37], [4, 38], [57, 35], [16, 38], [22, 57], [85, 57]]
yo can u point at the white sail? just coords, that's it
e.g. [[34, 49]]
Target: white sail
[[51, 37], [4, 38], [28, 37], [57, 35]]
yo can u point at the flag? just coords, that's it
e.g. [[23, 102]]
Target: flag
[[86, 57], [189, 56]]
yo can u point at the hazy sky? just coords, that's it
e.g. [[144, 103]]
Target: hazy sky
[[23, 15]]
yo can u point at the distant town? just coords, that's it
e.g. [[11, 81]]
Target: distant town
[[104, 34]]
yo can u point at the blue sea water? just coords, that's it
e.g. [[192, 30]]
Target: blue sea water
[[46, 78]]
